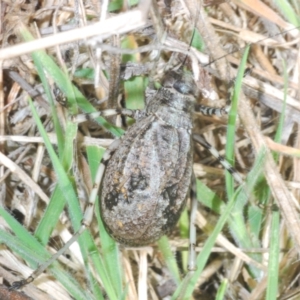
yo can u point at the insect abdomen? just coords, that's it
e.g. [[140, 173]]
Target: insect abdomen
[[146, 182]]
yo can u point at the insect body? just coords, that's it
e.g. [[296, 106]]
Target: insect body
[[148, 178]]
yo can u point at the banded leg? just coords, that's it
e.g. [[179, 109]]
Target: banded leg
[[132, 113], [221, 111], [212, 111], [214, 152], [85, 223]]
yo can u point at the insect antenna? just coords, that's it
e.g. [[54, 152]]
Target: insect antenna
[[251, 43]]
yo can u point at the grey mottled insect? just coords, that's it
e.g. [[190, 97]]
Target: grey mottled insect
[[147, 180]]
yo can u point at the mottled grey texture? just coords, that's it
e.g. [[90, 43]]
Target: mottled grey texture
[[148, 178]]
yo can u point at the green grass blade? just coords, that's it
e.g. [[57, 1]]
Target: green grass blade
[[273, 266], [230, 138], [222, 290], [242, 232], [208, 198], [111, 256], [51, 216], [65, 146], [22, 234], [169, 258], [58, 130], [285, 8], [184, 234], [237, 223]]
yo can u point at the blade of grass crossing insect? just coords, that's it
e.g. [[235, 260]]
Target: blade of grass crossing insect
[[169, 258], [186, 287], [85, 240], [134, 91], [109, 248]]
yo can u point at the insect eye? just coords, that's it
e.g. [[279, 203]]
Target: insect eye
[[183, 87]]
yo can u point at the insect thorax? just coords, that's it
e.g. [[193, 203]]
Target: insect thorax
[[174, 102], [172, 108]]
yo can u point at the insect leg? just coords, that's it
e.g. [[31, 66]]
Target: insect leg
[[214, 152], [192, 245], [133, 113], [86, 221], [212, 111], [221, 111]]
